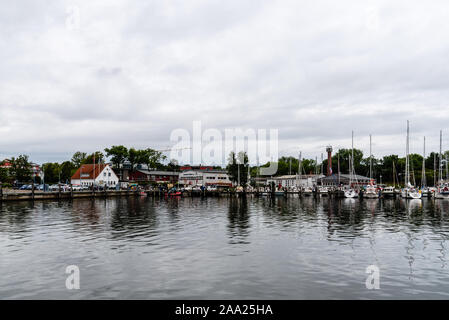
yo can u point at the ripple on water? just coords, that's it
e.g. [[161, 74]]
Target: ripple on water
[[223, 248]]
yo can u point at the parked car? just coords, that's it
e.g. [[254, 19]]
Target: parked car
[[24, 187], [54, 187], [76, 187]]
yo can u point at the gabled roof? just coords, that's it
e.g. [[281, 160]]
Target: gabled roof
[[89, 169]]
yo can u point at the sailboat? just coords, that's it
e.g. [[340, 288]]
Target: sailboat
[[425, 191], [390, 191], [351, 193], [409, 191], [371, 189], [443, 188]]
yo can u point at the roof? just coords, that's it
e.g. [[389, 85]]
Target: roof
[[346, 176], [89, 169], [293, 176], [205, 171], [159, 173]]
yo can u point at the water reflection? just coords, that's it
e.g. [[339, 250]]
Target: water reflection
[[225, 247], [238, 220]]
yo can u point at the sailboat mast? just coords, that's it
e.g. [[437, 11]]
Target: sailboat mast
[[394, 174], [407, 165], [289, 165], [440, 168], [423, 176], [338, 163], [370, 159]]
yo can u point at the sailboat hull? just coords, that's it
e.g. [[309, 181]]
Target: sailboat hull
[[350, 194]]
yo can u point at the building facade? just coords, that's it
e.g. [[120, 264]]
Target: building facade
[[209, 177], [155, 176], [99, 175], [288, 181], [345, 180]]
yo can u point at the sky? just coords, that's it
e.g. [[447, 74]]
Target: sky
[[85, 75]]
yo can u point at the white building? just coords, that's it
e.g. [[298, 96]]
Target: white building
[[193, 178], [288, 181], [103, 176]]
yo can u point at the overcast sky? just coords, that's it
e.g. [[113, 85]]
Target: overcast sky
[[84, 75]]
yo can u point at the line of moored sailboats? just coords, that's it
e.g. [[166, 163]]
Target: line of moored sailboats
[[373, 191]]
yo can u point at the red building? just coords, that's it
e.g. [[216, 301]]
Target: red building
[[141, 175]]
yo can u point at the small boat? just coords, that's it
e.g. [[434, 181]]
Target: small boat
[[173, 194], [351, 193], [388, 192], [323, 191], [411, 193], [308, 191], [442, 192], [371, 192], [279, 193]]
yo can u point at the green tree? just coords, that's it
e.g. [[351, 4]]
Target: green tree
[[21, 168], [99, 158], [153, 159], [135, 157], [78, 158], [4, 175], [67, 170], [238, 167], [118, 155], [51, 172]]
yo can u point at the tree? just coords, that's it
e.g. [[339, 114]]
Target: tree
[[173, 165], [21, 168], [4, 175], [134, 157], [67, 169], [238, 167], [118, 155], [99, 158], [51, 172], [78, 158], [153, 158]]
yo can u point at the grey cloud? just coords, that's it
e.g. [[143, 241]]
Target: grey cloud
[[135, 71]]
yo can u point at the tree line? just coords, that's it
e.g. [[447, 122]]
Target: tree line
[[54, 172], [388, 168]]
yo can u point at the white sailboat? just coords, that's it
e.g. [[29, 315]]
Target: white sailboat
[[409, 191], [371, 189], [425, 191], [351, 192], [442, 191]]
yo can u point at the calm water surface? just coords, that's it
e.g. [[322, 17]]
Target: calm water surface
[[221, 248]]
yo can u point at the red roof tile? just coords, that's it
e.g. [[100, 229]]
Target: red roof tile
[[89, 169]]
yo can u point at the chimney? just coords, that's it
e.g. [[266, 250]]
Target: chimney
[[329, 160]]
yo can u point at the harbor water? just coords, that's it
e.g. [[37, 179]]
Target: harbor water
[[225, 248]]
